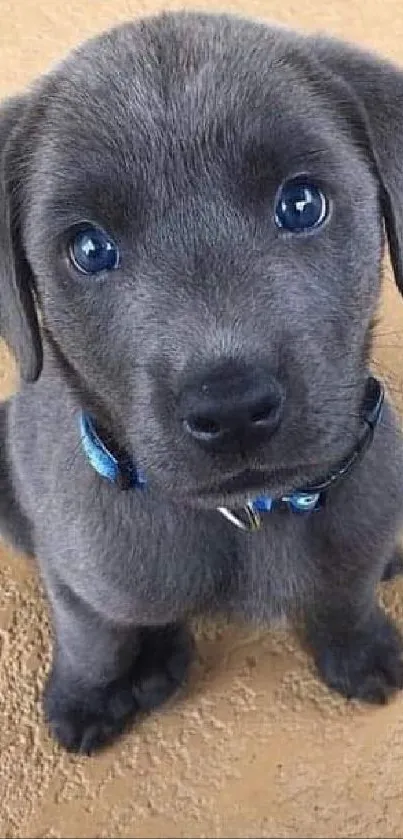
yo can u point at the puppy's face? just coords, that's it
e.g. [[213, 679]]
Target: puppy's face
[[203, 225]]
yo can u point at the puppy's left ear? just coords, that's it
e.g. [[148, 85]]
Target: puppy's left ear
[[376, 90], [19, 324]]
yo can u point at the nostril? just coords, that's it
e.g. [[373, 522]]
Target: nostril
[[266, 413], [261, 417], [202, 427]]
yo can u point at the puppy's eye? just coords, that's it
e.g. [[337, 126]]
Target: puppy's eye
[[91, 251], [300, 206]]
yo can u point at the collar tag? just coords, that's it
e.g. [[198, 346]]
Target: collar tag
[[247, 518]]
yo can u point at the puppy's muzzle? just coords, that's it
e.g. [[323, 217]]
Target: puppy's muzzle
[[231, 406]]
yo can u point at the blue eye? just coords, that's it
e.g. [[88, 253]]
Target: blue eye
[[300, 206], [91, 251]]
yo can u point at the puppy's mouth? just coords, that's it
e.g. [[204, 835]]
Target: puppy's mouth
[[249, 480], [252, 482]]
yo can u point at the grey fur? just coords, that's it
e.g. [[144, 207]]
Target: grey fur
[[174, 134]]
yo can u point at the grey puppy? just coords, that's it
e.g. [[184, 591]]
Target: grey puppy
[[191, 234]]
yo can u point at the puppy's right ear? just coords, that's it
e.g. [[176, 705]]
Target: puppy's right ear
[[19, 324]]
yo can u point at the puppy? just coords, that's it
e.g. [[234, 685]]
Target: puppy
[[191, 235]]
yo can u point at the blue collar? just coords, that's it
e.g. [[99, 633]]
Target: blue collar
[[119, 469]]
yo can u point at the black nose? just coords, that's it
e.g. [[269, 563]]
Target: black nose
[[232, 405]]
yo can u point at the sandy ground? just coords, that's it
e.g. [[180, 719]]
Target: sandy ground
[[256, 746]]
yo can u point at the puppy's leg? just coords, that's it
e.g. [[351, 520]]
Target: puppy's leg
[[357, 648], [103, 674]]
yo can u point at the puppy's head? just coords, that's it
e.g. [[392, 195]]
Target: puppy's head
[[195, 207]]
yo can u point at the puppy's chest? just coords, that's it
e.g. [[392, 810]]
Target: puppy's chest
[[274, 569], [198, 562]]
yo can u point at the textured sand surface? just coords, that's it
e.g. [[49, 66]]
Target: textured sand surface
[[256, 746]]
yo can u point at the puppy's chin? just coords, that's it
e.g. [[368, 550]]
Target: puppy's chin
[[236, 490]]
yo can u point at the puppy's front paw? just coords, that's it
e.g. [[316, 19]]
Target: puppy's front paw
[[367, 666], [83, 719]]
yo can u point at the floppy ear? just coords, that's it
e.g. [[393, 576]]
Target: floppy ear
[[18, 318], [377, 87]]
